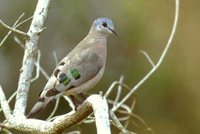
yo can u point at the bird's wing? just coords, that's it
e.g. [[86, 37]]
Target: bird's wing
[[74, 70]]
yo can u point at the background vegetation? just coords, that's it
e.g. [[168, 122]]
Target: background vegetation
[[169, 101]]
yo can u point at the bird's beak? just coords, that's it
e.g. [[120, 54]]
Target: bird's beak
[[113, 31]]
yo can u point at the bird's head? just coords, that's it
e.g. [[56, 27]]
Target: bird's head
[[103, 26]]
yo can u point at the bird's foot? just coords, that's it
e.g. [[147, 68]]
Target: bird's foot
[[78, 100]]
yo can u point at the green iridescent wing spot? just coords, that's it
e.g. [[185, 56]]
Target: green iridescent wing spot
[[64, 79], [75, 74], [67, 81]]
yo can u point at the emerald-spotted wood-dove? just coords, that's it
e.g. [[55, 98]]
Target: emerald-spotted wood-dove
[[81, 69]]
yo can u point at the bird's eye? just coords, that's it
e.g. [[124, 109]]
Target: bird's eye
[[104, 24]]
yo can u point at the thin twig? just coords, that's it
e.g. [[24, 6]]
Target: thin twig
[[134, 116], [89, 120], [159, 61], [19, 42], [44, 73], [148, 57], [24, 21], [71, 104], [13, 29], [111, 88], [132, 108], [57, 100], [74, 132], [11, 98], [118, 124], [113, 85], [124, 107], [4, 39], [37, 64], [55, 57], [54, 110], [5, 131], [119, 90], [4, 104]]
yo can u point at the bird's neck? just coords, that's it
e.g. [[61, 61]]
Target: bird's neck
[[96, 35], [99, 43]]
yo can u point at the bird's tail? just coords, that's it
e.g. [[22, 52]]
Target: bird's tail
[[39, 106]]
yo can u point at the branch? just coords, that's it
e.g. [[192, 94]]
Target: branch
[[37, 64], [29, 18], [100, 108], [159, 61], [148, 57], [132, 108], [4, 104], [112, 87], [118, 124], [94, 103], [136, 117], [55, 57], [54, 110], [13, 29], [36, 26], [10, 98], [4, 39], [71, 104], [119, 90]]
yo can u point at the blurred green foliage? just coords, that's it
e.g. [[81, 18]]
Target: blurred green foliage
[[169, 101]]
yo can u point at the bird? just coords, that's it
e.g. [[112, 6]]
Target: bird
[[81, 69]]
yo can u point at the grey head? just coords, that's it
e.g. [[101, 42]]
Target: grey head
[[103, 26]]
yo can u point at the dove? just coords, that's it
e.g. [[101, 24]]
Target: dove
[[81, 69]]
